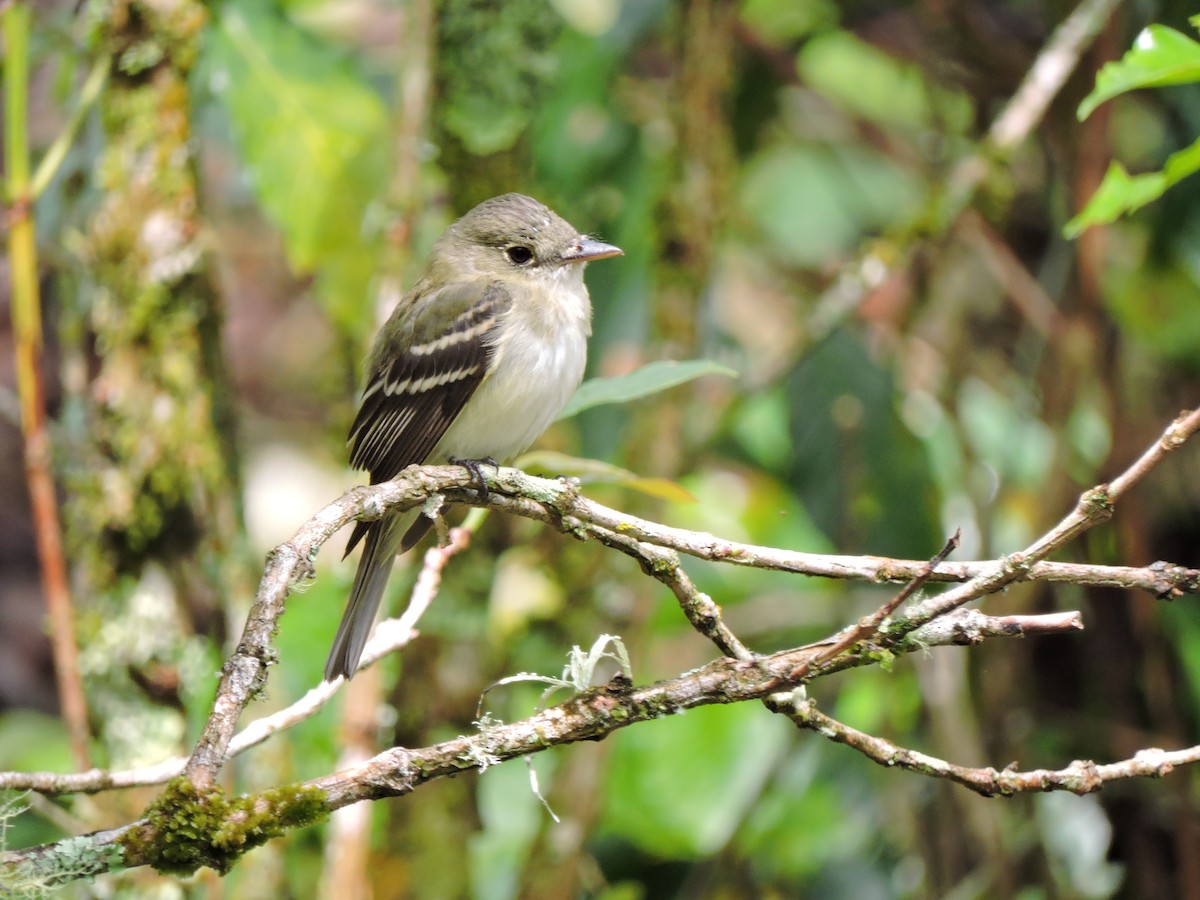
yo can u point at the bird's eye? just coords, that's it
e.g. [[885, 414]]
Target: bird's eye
[[518, 255]]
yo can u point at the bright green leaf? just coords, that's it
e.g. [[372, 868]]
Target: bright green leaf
[[649, 379], [1120, 193], [594, 470], [1160, 56]]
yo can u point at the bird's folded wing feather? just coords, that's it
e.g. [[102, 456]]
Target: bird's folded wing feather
[[440, 351]]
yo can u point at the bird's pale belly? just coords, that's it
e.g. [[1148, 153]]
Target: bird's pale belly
[[518, 401]]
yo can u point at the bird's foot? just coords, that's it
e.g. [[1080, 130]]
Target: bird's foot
[[475, 468]]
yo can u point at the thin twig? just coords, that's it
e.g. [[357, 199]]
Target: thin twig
[[1094, 506], [1080, 777], [27, 332], [867, 626]]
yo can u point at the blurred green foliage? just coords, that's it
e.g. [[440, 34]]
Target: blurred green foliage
[[679, 788], [498, 64], [312, 133]]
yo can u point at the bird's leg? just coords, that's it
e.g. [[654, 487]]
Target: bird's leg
[[475, 468]]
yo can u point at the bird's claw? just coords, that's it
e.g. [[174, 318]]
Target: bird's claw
[[474, 467]]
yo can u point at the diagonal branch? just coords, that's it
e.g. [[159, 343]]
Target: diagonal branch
[[663, 565], [1094, 506], [869, 625], [1081, 777]]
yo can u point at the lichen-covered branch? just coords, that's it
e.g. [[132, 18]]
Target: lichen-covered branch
[[1082, 776], [187, 827]]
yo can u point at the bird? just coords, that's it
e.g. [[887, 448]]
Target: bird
[[474, 363]]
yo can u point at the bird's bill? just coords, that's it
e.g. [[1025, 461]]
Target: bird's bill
[[586, 249]]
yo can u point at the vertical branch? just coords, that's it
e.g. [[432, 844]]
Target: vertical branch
[[27, 331], [704, 165]]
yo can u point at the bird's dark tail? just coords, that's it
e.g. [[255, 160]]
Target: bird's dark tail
[[384, 539]]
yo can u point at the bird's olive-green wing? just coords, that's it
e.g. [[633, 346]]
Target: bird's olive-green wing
[[436, 353]]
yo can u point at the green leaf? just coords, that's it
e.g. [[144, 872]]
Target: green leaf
[[653, 798], [594, 470], [312, 133], [861, 78], [1120, 193], [649, 379], [811, 202], [1160, 56]]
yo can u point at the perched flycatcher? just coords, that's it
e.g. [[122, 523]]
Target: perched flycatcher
[[477, 359]]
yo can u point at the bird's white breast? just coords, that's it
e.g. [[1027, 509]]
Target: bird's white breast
[[538, 368]]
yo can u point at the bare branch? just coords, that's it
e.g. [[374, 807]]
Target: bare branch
[[1081, 777], [869, 625], [1094, 506], [578, 516]]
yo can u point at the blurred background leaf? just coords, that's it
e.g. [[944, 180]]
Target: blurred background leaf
[[312, 132]]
